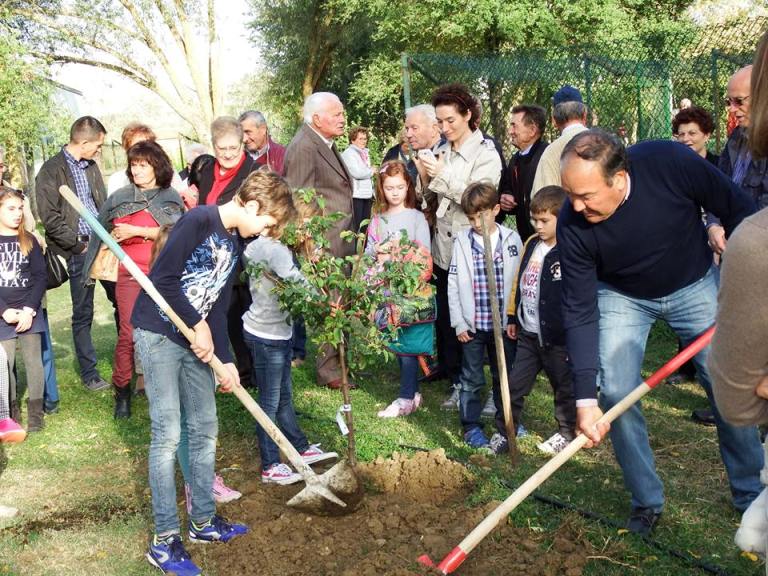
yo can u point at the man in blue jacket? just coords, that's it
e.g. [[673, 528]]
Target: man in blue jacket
[[634, 250]]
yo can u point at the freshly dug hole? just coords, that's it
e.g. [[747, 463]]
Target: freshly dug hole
[[420, 511]]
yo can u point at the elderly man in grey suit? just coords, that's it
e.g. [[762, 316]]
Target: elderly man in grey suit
[[312, 161]]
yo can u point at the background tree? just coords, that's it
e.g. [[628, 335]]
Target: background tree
[[363, 67], [170, 47]]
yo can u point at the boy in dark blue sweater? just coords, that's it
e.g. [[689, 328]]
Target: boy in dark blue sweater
[[535, 321], [194, 273]]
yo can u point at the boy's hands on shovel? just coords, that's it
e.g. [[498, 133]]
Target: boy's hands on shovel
[[202, 345], [229, 380], [586, 417]]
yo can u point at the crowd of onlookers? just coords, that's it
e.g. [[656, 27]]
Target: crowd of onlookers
[[582, 243]]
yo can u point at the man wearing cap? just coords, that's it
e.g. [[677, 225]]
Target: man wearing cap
[[569, 115]]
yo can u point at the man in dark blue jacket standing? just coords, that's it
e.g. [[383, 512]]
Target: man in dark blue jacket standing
[[634, 250]]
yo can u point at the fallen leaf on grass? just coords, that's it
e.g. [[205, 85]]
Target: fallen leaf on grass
[[750, 556]]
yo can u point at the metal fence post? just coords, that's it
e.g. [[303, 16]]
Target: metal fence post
[[406, 80]]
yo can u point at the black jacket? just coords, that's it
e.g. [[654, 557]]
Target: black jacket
[[550, 316], [206, 166], [517, 180], [59, 217]]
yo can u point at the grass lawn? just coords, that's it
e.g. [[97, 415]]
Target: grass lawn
[[81, 484]]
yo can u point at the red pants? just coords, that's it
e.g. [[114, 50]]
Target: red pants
[[126, 292]]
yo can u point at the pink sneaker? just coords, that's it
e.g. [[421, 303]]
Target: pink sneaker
[[223, 493], [11, 432], [400, 407], [315, 454]]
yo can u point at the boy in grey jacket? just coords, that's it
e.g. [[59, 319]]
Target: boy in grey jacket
[[470, 301]]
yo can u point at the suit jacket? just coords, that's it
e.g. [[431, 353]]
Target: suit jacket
[[517, 180], [59, 217], [205, 177], [310, 163]]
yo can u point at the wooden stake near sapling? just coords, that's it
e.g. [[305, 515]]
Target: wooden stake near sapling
[[498, 337]]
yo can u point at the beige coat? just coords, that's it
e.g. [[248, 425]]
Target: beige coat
[[739, 357], [477, 160], [311, 163], [548, 170]]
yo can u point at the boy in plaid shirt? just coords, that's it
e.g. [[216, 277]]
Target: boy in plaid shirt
[[470, 301]]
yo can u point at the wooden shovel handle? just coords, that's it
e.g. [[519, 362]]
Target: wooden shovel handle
[[456, 557], [218, 367]]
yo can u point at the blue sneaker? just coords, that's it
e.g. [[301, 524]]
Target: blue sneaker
[[522, 432], [217, 529], [170, 556], [477, 439]]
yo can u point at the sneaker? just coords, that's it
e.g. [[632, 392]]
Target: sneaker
[[223, 493], [170, 556], [642, 521], [521, 431], [452, 402], [96, 384], [280, 474], [417, 398], [315, 454], [499, 444], [554, 445], [477, 439], [704, 416], [489, 410], [400, 407], [217, 529], [51, 407], [11, 432]]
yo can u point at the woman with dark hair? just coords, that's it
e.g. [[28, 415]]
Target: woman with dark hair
[[466, 157], [693, 126], [133, 215]]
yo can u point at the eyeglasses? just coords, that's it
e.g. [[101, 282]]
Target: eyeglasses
[[228, 149], [737, 101]]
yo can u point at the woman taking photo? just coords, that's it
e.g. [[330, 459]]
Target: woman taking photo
[[133, 215], [466, 157]]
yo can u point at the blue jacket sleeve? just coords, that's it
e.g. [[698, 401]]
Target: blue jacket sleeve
[[217, 321], [579, 305]]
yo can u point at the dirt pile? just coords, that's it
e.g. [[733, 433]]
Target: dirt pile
[[421, 511]]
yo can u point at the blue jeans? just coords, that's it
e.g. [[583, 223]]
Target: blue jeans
[[472, 379], [82, 316], [271, 370], [409, 376], [49, 367], [624, 325], [174, 380]]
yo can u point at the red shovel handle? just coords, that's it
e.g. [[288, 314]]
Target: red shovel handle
[[674, 365], [456, 557]]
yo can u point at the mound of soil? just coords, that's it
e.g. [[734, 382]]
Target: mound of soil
[[427, 477], [420, 511]]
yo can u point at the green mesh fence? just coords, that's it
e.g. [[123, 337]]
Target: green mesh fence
[[633, 89]]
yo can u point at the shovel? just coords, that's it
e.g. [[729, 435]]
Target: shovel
[[498, 337], [456, 557], [322, 494]]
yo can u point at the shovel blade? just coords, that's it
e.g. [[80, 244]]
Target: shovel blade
[[338, 491]]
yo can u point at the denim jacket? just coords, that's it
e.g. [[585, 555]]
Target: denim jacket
[[164, 204]]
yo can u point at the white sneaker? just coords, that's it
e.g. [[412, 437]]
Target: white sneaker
[[399, 407], [452, 402], [315, 454], [499, 444], [554, 445], [280, 474], [489, 410]]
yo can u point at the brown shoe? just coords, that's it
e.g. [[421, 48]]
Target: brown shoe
[[35, 418], [336, 385]]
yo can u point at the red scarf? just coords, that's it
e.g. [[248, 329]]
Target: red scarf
[[221, 181]]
